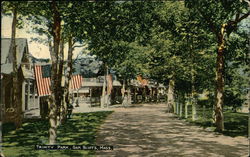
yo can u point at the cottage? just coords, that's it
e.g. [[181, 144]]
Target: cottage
[[25, 76]]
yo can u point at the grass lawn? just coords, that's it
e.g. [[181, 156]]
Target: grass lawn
[[236, 124], [80, 130]]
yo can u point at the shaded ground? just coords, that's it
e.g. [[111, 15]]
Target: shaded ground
[[149, 131], [79, 130]]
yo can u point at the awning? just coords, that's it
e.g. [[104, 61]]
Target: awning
[[117, 83]]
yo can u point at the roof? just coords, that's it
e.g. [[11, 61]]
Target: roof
[[116, 83], [95, 83], [5, 46], [92, 84], [21, 46]]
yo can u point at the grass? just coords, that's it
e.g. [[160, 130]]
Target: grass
[[236, 124], [80, 130]]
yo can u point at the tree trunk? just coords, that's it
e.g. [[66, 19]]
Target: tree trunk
[[123, 93], [123, 88], [68, 77], [17, 102], [194, 103], [126, 98], [109, 88], [203, 112], [144, 95], [54, 98], [193, 98], [193, 92], [194, 113], [129, 94], [219, 94], [181, 108], [177, 107], [61, 109], [52, 120], [135, 101], [170, 102], [186, 107], [103, 92]]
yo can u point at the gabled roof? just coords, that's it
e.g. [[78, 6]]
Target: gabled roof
[[21, 47], [21, 44]]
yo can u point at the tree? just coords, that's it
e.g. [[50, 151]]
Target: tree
[[58, 23], [16, 9], [222, 18], [54, 98], [115, 25], [166, 61], [46, 17]]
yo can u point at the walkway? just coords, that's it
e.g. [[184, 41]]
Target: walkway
[[149, 131]]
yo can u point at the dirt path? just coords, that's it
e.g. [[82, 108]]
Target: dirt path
[[149, 131]]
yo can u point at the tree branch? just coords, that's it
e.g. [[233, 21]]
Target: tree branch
[[77, 46], [209, 22], [242, 17], [231, 25], [73, 42], [247, 1], [237, 16]]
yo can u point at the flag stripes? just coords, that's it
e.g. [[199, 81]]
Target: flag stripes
[[75, 82], [44, 83]]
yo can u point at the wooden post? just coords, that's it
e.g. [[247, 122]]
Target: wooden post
[[203, 112], [27, 107], [103, 93], [186, 106], [38, 102], [33, 95], [135, 101], [90, 96], [78, 95], [107, 100], [181, 105], [157, 94], [177, 108], [23, 96], [73, 96]]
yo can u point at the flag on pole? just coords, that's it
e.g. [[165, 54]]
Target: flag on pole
[[42, 80], [75, 82]]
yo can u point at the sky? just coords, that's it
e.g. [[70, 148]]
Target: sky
[[36, 49]]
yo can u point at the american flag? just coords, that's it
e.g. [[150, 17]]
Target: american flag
[[42, 75], [75, 82], [43, 82]]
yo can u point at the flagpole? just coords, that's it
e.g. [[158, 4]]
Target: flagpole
[[108, 86]]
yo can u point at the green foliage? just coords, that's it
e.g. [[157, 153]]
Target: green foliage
[[237, 70], [134, 63], [215, 13], [181, 49], [117, 30], [235, 123]]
